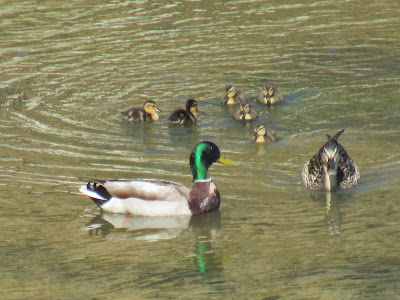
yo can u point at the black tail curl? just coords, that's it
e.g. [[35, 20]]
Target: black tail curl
[[99, 188]]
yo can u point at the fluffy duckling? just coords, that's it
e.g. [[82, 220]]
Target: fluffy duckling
[[185, 117], [269, 95], [163, 198], [231, 96], [147, 113], [331, 167], [245, 112], [263, 134]]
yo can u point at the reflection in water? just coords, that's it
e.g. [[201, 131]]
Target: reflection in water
[[332, 212], [204, 227], [333, 216]]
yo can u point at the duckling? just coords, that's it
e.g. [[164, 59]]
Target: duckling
[[245, 112], [149, 197], [263, 134], [331, 167], [269, 95], [147, 113], [185, 117], [231, 96]]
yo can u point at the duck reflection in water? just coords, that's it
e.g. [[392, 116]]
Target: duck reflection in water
[[204, 227], [120, 226], [333, 216]]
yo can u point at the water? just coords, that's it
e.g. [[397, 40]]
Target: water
[[69, 68]]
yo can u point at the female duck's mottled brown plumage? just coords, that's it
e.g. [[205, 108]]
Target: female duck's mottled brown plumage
[[245, 112], [269, 95], [142, 114], [185, 117], [231, 96], [331, 167]]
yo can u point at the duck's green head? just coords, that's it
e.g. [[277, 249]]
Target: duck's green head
[[203, 156]]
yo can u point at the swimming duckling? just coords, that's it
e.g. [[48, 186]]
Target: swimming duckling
[[269, 95], [149, 197], [331, 167], [185, 117], [231, 96], [263, 134], [245, 112], [147, 113]]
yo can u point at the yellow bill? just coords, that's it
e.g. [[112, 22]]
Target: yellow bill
[[226, 161]]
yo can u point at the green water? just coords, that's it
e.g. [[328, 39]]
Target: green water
[[67, 69]]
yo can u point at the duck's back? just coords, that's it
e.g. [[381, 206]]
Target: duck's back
[[180, 116], [140, 197]]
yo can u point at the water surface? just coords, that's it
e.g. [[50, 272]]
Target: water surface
[[69, 68]]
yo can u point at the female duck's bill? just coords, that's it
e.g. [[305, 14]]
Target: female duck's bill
[[331, 167], [163, 198]]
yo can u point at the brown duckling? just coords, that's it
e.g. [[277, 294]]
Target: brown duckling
[[263, 134], [185, 117], [245, 112], [147, 113], [270, 95], [231, 96]]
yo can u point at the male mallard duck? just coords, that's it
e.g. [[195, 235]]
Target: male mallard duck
[[245, 112], [263, 134], [269, 95], [147, 113], [162, 198], [188, 116], [231, 96], [331, 167]]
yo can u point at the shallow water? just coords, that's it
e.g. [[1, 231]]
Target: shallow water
[[69, 68]]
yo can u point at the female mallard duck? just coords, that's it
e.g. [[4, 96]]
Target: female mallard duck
[[245, 112], [231, 96], [331, 167], [185, 117], [263, 134], [147, 113], [162, 198], [269, 95]]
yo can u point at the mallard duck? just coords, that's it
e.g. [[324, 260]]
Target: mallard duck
[[263, 134], [331, 167], [147, 113], [245, 112], [269, 95], [188, 116], [231, 96], [163, 198]]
